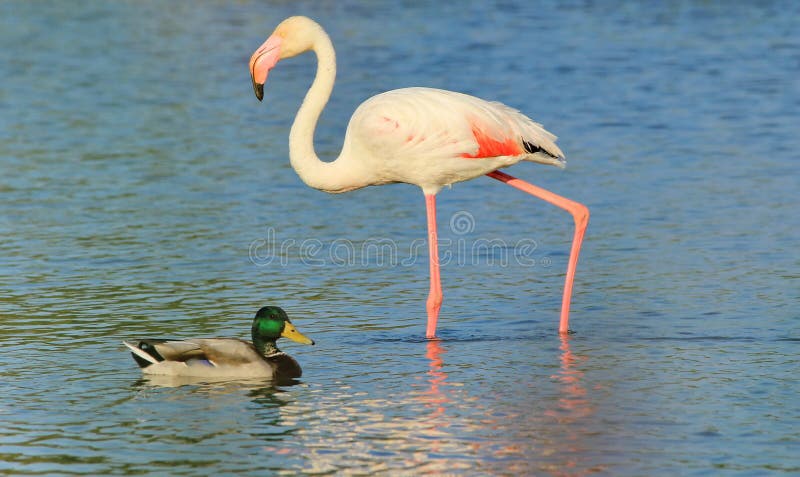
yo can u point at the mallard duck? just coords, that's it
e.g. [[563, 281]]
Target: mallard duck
[[225, 357]]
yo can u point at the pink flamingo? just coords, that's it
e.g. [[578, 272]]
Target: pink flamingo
[[422, 136]]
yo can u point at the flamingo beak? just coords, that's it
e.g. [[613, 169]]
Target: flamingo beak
[[263, 60], [258, 89]]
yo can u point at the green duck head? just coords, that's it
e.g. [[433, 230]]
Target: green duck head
[[271, 323]]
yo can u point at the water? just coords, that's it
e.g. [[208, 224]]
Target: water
[[147, 193]]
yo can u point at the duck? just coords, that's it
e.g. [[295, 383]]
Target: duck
[[225, 357]]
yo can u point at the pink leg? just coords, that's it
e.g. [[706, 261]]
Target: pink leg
[[435, 295], [581, 215]]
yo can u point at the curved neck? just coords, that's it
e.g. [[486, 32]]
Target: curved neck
[[326, 176]]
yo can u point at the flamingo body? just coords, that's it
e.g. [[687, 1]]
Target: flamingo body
[[432, 138], [422, 136]]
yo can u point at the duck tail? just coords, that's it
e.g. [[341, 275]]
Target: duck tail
[[141, 357]]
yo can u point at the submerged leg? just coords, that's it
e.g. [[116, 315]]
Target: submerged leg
[[581, 215], [435, 296]]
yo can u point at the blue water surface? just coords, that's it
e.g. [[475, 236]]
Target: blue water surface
[[146, 193]]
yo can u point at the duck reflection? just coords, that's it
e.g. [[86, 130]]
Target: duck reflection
[[165, 381]]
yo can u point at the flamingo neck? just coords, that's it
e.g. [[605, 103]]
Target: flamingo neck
[[326, 176]]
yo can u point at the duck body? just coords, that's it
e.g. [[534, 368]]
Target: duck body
[[211, 357], [225, 357]]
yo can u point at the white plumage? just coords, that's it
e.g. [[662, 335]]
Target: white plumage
[[420, 136]]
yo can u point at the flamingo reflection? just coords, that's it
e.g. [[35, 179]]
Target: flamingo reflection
[[435, 398], [447, 425], [574, 403], [437, 378]]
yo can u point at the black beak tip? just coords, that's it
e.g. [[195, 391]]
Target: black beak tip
[[259, 90]]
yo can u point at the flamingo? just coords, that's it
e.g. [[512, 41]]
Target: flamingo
[[422, 136]]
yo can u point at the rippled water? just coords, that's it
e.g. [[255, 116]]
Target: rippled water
[[145, 192]]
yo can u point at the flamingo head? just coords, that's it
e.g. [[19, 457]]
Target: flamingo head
[[292, 37]]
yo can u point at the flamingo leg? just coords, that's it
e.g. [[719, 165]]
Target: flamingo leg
[[435, 296], [581, 215]]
